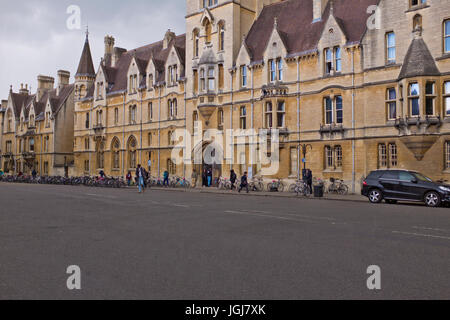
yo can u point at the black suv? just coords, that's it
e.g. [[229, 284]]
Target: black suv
[[402, 185]]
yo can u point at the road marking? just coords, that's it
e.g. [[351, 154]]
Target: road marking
[[268, 216], [180, 205], [421, 235], [290, 214], [430, 229]]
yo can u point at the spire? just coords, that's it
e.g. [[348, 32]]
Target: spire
[[86, 66]]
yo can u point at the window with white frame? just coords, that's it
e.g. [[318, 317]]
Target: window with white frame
[[393, 158], [447, 98], [276, 70], [132, 115], [414, 99], [268, 115], [329, 159], [430, 98], [243, 118], [337, 59], [243, 76], [328, 61], [382, 155], [447, 36], [202, 80], [334, 110], [391, 103], [390, 47], [211, 79]]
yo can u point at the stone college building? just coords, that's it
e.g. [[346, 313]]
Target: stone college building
[[362, 84]]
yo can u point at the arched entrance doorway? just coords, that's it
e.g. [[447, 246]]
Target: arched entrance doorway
[[208, 162]]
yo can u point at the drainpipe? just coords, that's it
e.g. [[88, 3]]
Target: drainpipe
[[159, 133], [185, 130], [123, 136], [353, 125], [140, 151], [298, 117], [231, 122]]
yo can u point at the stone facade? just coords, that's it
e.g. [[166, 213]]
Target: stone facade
[[360, 90]]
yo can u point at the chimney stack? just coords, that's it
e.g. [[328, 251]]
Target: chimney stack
[[63, 79], [167, 38], [24, 89], [118, 52], [45, 83], [109, 48], [318, 8]]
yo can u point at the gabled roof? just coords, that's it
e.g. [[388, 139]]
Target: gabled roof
[[20, 101], [418, 61], [86, 66], [296, 26], [117, 76]]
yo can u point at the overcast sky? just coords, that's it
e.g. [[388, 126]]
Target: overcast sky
[[35, 38]]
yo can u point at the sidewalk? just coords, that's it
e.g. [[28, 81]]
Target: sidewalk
[[329, 197]]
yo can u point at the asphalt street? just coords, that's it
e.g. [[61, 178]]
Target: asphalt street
[[176, 245]]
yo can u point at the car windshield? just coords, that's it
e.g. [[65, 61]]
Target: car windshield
[[421, 177]]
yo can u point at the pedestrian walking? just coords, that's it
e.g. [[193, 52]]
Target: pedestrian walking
[[244, 183], [129, 177], [309, 180], [34, 174], [166, 178], [140, 174], [209, 177], [149, 166], [204, 178], [233, 178]]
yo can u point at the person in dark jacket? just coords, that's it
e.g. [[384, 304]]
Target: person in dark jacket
[[204, 178], [129, 177], [209, 177], [166, 179], [140, 174], [309, 180], [244, 183], [233, 178]]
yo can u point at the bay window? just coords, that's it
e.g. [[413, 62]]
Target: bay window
[[447, 98], [281, 111], [414, 99], [430, 98], [268, 115]]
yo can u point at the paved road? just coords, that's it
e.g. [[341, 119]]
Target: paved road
[[173, 245]]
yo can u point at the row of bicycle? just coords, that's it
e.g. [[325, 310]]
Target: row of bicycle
[[257, 184], [68, 181]]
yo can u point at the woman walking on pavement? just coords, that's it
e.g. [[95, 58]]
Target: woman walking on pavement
[[140, 174]]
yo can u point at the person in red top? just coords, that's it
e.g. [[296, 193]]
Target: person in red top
[[129, 177]]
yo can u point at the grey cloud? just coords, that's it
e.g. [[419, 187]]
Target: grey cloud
[[35, 39]]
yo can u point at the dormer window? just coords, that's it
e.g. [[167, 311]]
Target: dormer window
[[150, 80], [243, 76], [47, 119], [275, 70], [9, 125], [99, 90], [208, 31], [32, 122], [173, 75], [133, 85]]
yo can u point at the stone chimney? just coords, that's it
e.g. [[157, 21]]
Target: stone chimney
[[63, 80], [118, 52], [4, 104], [109, 48], [318, 8], [24, 89], [167, 38], [45, 84]]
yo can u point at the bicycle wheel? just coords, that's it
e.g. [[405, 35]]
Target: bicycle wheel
[[292, 188], [269, 187], [281, 187], [343, 190]]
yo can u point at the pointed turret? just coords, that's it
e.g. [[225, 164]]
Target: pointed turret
[[85, 76], [418, 61], [86, 66]]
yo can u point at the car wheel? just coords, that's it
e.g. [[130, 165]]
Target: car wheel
[[432, 199], [375, 196], [391, 201]]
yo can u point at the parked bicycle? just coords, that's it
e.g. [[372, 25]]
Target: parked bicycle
[[276, 186], [338, 187], [300, 188], [256, 184]]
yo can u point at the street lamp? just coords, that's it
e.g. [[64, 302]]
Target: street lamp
[[302, 148]]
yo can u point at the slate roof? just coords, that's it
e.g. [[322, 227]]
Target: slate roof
[[418, 61], [86, 66], [296, 26], [117, 76]]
